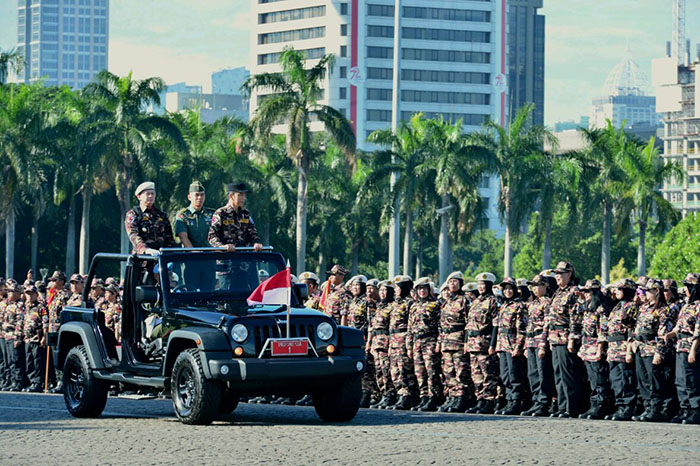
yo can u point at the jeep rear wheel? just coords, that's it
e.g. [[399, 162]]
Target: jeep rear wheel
[[340, 402], [85, 396], [196, 399]]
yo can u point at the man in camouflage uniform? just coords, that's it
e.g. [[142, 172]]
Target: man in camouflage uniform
[[421, 341], [378, 344], [562, 331], [12, 328], [617, 329], [77, 283], [401, 365], [453, 319], [5, 381], [97, 293], [310, 279], [34, 338], [337, 297], [147, 226], [112, 311], [232, 225], [479, 328], [358, 317], [686, 332], [57, 299]]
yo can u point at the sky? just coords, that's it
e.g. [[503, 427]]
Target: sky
[[187, 40]]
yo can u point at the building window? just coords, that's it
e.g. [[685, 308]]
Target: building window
[[449, 35], [380, 52], [379, 94], [292, 15], [378, 115], [310, 54], [343, 29], [343, 50], [343, 93], [452, 56], [441, 97], [343, 71], [343, 8], [288, 36], [380, 31]]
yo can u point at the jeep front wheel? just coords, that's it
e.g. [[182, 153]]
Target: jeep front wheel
[[85, 396], [196, 399], [340, 402]]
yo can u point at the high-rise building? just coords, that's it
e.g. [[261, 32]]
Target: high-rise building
[[63, 41], [229, 81], [453, 60], [526, 57]]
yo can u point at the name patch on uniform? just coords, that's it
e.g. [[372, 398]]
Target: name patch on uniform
[[229, 222], [244, 220]]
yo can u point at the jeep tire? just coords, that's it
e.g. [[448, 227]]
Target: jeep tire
[[85, 396], [341, 401], [196, 399]]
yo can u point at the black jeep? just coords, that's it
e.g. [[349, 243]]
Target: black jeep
[[188, 331]]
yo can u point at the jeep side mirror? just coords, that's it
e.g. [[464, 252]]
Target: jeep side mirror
[[146, 294], [303, 291]]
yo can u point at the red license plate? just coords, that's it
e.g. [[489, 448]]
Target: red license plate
[[292, 347]]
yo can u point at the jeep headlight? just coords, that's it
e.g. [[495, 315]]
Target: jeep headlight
[[324, 331], [239, 333]]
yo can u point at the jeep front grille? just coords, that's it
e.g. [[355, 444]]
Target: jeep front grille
[[262, 333]]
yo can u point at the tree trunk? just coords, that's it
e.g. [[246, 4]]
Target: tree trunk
[[70, 238], [547, 250], [507, 254], [84, 261], [444, 243], [301, 219], [641, 249], [322, 265], [10, 221], [355, 254], [408, 242], [419, 257], [605, 244], [35, 245]]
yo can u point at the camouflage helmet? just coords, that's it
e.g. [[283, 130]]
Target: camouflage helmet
[[654, 284], [626, 283]]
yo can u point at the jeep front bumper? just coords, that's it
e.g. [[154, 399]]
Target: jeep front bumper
[[254, 369]]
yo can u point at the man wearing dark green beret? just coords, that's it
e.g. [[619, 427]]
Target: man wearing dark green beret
[[192, 227], [232, 226]]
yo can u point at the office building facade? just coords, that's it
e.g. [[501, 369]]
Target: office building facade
[[229, 81]]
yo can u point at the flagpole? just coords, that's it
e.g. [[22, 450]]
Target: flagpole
[[289, 298]]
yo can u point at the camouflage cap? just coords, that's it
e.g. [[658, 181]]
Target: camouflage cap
[[374, 282], [76, 278], [337, 269], [196, 187], [12, 285], [310, 276], [112, 288], [422, 281], [626, 283], [57, 275], [654, 284], [508, 281], [31, 289], [591, 284], [40, 285], [486, 277], [642, 281], [458, 275], [691, 279], [470, 287], [538, 280], [564, 267]]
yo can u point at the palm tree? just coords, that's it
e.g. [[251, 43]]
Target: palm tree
[[10, 59], [138, 136], [513, 150], [293, 98], [646, 172]]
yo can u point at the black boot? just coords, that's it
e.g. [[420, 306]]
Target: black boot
[[655, 413], [402, 404], [622, 414], [513, 408], [460, 405], [474, 409], [431, 405], [423, 401], [388, 401], [445, 407], [682, 414], [596, 412], [486, 407], [58, 388], [693, 418], [365, 400]]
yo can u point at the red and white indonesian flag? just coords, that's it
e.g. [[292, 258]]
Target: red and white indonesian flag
[[275, 290]]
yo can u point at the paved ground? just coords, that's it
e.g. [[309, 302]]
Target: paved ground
[[37, 429]]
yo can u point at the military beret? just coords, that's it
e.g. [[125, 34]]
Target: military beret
[[237, 188], [422, 281], [146, 185], [309, 276], [337, 269], [470, 287], [196, 187], [691, 279], [627, 283], [564, 267], [357, 279], [76, 278], [458, 275], [402, 279], [374, 282], [486, 277], [591, 284], [508, 281]]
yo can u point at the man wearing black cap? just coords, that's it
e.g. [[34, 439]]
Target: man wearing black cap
[[232, 225]]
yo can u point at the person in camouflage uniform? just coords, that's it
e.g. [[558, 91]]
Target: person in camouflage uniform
[[594, 307], [378, 343], [77, 283], [617, 329], [34, 338], [147, 226], [649, 349], [455, 362], [232, 225], [400, 362], [338, 297], [540, 373], [97, 293], [686, 334], [57, 299], [562, 330], [311, 281], [479, 329], [12, 329], [509, 343], [4, 369], [358, 316], [111, 309], [421, 341]]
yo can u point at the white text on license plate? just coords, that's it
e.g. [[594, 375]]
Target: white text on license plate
[[290, 347]]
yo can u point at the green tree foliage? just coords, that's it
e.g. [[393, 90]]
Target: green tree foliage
[[679, 252]]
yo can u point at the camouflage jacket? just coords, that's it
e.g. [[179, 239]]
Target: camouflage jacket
[[148, 229], [75, 300], [591, 335], [649, 330], [34, 319], [379, 326], [358, 313], [536, 314], [3, 306], [59, 301], [482, 312], [616, 329], [337, 302], [313, 302], [13, 321], [112, 314], [686, 326], [398, 321], [423, 318], [453, 320], [101, 303], [231, 226], [562, 322], [511, 324]]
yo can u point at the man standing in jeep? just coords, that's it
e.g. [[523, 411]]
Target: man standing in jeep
[[147, 226], [232, 224]]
